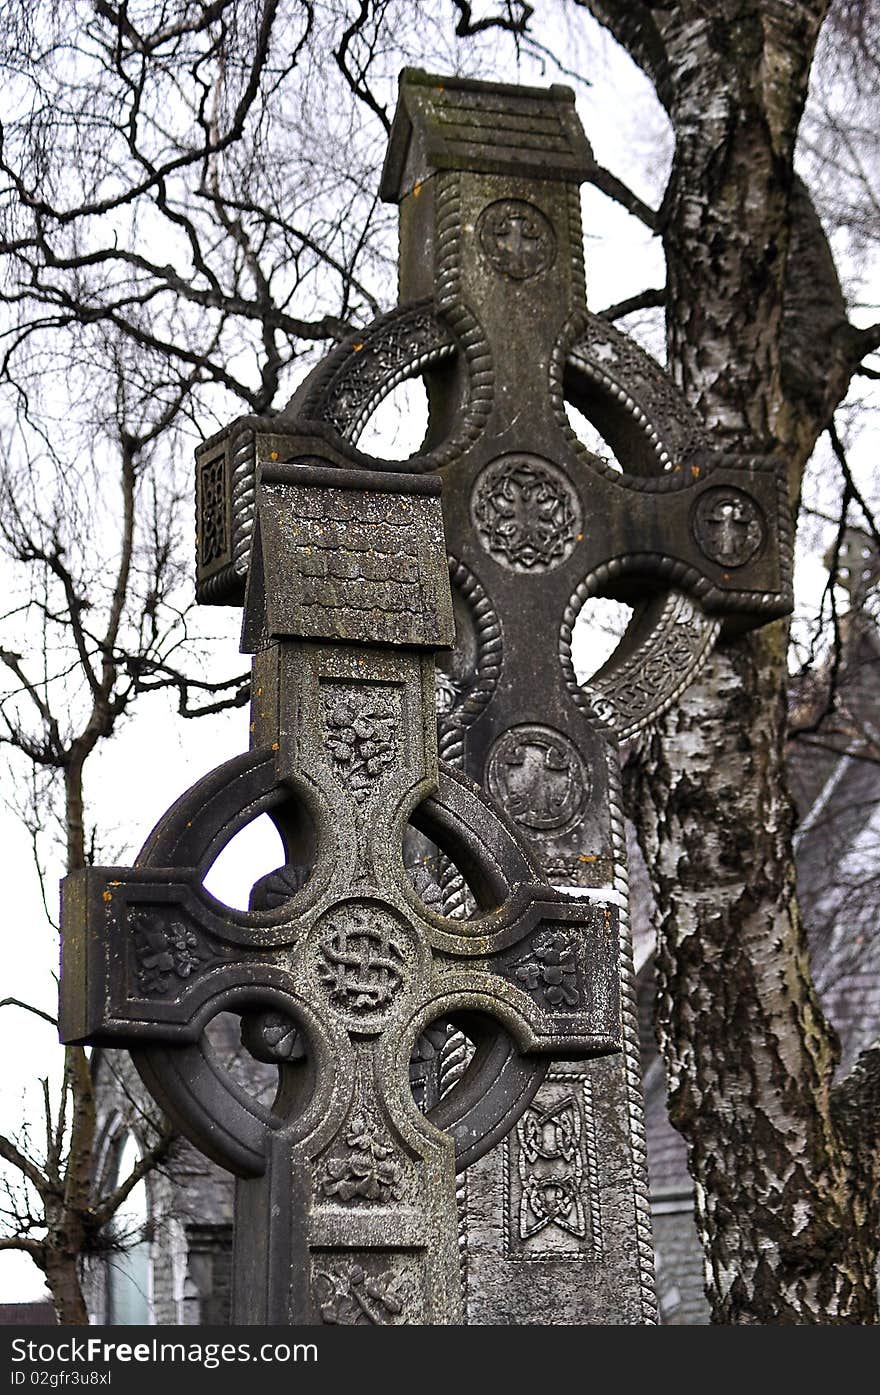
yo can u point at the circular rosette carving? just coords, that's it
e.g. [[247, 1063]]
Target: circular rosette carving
[[526, 512], [539, 777], [728, 526], [516, 238]]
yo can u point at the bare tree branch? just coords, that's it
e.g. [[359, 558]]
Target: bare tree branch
[[645, 300], [29, 1007]]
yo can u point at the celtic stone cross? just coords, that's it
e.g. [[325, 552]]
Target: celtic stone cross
[[346, 1208], [493, 316]]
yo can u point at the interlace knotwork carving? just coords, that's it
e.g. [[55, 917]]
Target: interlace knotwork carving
[[163, 952], [213, 542], [380, 359], [636, 688], [551, 1169]]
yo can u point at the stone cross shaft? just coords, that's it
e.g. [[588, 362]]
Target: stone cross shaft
[[346, 1212]]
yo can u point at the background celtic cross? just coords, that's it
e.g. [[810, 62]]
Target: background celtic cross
[[494, 318], [346, 1208]]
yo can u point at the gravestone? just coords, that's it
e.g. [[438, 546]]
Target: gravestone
[[493, 316], [346, 1207]]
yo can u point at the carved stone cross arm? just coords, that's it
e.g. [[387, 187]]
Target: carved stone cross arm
[[494, 317], [348, 598]]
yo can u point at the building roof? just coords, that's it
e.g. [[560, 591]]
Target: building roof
[[40, 1313]]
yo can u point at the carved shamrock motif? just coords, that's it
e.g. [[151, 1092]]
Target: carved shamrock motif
[[551, 969], [361, 741], [369, 1170], [163, 952]]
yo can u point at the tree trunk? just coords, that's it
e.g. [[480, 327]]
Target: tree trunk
[[749, 1056], [63, 1281]]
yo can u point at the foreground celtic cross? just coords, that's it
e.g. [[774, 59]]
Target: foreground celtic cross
[[494, 318], [349, 1214]]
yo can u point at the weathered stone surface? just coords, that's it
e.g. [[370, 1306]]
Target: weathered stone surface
[[328, 964], [346, 1208]]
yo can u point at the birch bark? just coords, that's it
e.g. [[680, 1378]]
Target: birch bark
[[786, 1181]]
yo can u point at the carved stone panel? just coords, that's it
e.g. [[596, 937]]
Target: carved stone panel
[[361, 727], [553, 1204], [213, 507], [340, 555], [165, 952], [368, 1289]]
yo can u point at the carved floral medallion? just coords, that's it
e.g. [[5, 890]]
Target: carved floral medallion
[[526, 513]]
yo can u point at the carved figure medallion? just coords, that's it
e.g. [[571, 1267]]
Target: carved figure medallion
[[728, 526], [517, 238], [526, 513], [539, 777]]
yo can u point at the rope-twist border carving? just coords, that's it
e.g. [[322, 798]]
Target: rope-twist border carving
[[600, 703], [453, 725], [630, 1045], [461, 320]]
